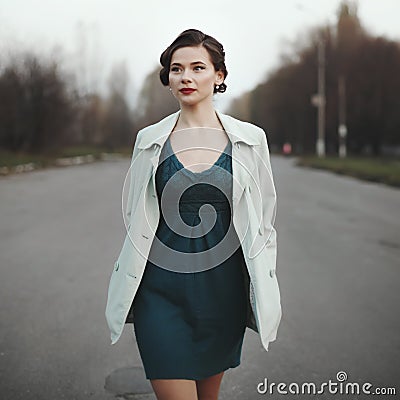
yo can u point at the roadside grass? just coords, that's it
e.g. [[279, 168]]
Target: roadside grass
[[374, 169], [95, 151], [9, 161]]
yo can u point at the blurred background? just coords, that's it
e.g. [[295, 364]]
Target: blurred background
[[81, 78]]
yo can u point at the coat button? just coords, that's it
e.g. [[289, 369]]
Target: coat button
[[271, 273], [260, 232], [237, 145], [249, 188]]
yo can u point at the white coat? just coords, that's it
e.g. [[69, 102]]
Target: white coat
[[253, 215]]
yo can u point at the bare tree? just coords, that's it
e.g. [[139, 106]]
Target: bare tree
[[35, 111], [155, 101], [118, 124]]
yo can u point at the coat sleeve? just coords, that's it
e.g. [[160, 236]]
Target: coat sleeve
[[268, 194], [267, 186], [130, 179]]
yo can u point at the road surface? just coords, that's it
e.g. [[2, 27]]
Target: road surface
[[338, 268]]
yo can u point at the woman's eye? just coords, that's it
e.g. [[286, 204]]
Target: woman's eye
[[174, 69], [199, 67]]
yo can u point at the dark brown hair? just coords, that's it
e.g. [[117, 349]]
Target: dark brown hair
[[193, 38]]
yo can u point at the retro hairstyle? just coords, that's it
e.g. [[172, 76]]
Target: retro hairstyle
[[193, 38]]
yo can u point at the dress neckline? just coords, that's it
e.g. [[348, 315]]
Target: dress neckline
[[201, 172]]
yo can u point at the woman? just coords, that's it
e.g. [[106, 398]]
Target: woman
[[198, 262]]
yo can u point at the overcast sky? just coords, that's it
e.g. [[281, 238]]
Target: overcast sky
[[95, 34]]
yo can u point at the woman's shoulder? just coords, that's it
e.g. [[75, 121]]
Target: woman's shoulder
[[243, 124], [151, 132], [160, 122], [247, 128]]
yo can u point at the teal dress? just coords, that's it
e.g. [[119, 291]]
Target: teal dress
[[189, 312]]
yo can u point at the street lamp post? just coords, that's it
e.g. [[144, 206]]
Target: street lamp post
[[320, 146], [342, 130], [319, 101]]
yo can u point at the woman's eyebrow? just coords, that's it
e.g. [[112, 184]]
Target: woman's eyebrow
[[193, 63]]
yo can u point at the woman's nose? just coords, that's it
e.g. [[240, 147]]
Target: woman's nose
[[186, 76]]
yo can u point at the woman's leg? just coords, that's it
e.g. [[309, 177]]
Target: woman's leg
[[208, 388], [174, 389]]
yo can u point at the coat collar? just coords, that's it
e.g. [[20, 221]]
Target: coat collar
[[158, 133]]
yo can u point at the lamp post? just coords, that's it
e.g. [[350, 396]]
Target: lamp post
[[342, 129], [320, 146], [319, 99]]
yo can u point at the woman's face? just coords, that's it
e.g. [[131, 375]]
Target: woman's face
[[192, 75]]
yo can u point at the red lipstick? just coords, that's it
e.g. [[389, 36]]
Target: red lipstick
[[187, 90]]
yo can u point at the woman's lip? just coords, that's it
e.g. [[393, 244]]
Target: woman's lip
[[187, 91]]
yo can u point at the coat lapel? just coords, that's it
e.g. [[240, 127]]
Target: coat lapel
[[158, 133]]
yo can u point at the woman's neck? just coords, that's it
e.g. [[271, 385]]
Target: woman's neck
[[204, 116]]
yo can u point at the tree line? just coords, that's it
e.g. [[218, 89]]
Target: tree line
[[368, 68], [42, 110]]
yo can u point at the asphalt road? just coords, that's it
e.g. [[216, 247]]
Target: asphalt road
[[338, 269]]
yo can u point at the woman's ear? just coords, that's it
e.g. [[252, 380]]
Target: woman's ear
[[219, 77]]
